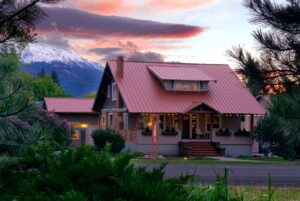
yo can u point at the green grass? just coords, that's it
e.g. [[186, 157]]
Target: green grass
[[260, 193], [272, 158], [205, 160]]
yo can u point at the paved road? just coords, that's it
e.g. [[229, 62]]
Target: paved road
[[281, 175]]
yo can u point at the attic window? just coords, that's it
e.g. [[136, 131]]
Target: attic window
[[181, 78], [178, 85], [185, 86]]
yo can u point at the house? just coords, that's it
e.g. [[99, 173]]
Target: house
[[171, 108], [79, 115]]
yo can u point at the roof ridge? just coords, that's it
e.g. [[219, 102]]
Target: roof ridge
[[169, 62]]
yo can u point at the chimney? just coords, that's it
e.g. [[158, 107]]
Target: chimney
[[120, 66]]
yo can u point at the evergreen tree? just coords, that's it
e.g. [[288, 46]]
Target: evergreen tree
[[279, 46], [18, 19], [54, 77], [14, 93], [277, 68], [42, 73]]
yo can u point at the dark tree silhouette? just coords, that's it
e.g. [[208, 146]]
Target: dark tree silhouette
[[54, 77], [42, 73], [279, 45], [18, 19]]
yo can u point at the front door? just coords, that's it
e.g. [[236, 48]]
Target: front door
[[186, 127]]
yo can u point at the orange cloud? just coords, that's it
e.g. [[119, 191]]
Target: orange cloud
[[110, 7], [101, 6], [179, 4]]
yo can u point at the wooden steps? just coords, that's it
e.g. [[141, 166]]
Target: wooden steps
[[200, 148]]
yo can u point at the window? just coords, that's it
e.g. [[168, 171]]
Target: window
[[114, 91], [186, 86], [103, 119], [125, 121], [110, 120], [108, 91], [204, 86], [74, 131], [168, 84], [146, 122]]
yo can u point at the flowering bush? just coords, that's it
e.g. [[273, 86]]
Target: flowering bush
[[36, 126]]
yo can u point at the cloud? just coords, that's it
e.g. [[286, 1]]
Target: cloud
[[179, 4], [105, 51], [110, 7], [55, 39], [147, 56], [76, 23]]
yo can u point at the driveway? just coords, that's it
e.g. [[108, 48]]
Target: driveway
[[281, 175]]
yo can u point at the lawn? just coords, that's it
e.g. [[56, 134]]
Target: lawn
[[261, 193], [272, 158], [207, 160]]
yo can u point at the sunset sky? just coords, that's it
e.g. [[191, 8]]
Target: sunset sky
[[195, 31]]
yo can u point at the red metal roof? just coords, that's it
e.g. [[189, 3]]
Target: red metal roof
[[143, 93], [69, 105], [185, 73]]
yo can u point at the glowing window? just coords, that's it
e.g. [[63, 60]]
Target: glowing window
[[74, 130]]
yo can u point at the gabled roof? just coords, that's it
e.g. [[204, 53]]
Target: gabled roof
[[142, 92], [179, 73], [69, 105]]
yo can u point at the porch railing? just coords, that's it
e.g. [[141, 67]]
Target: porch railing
[[203, 136]]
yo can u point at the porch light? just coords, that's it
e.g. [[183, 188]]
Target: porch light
[[83, 126], [149, 124]]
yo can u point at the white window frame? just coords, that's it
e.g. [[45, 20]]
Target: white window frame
[[108, 91], [125, 121], [114, 91]]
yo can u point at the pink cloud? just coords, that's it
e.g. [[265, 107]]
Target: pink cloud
[[179, 4], [110, 7]]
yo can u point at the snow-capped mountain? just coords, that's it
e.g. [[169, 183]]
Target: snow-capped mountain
[[77, 75]]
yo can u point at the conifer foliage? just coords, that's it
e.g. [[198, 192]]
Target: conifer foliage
[[278, 44]]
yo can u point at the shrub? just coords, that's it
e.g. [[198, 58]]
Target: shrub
[[34, 126], [83, 174], [102, 137]]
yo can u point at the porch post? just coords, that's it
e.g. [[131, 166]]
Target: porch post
[[191, 126], [181, 122], [155, 135]]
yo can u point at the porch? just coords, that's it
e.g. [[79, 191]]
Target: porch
[[210, 133]]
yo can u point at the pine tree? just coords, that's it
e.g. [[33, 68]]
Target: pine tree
[[18, 19], [54, 77], [42, 73], [279, 45], [15, 94]]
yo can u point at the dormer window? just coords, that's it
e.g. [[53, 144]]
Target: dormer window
[[186, 86], [177, 85], [181, 78]]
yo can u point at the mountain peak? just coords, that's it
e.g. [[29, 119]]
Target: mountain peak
[[45, 53]]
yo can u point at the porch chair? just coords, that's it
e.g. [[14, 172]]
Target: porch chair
[[199, 134]]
